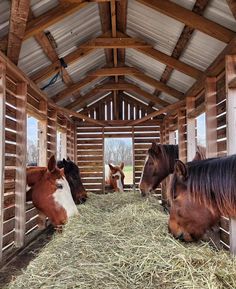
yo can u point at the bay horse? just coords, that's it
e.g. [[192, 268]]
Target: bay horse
[[209, 184], [159, 164], [114, 177], [50, 193], [72, 173]]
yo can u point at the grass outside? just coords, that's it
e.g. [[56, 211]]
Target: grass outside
[[128, 171]]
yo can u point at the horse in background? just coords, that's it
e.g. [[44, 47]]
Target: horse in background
[[114, 177], [209, 184], [50, 193], [72, 174]]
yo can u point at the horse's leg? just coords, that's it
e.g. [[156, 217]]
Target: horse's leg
[[41, 220]]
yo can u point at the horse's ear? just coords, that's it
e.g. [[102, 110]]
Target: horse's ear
[[52, 163], [68, 159], [156, 147], [64, 162], [122, 165], [180, 169], [112, 168]]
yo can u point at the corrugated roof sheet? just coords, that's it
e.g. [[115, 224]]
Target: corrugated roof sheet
[[146, 64], [32, 57], [219, 12], [158, 29], [4, 17], [82, 67], [39, 7], [91, 85], [143, 85], [76, 29], [167, 97], [202, 50], [180, 81]]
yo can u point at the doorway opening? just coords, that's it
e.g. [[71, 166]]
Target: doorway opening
[[118, 150]]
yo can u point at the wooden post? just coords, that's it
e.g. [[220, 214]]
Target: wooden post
[[2, 146], [230, 69], [133, 151], [211, 121], [172, 137], [191, 130], [181, 137], [43, 135], [20, 187]]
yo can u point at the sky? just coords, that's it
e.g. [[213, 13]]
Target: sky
[[32, 129]]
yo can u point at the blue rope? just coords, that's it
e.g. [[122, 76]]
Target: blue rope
[[52, 81]]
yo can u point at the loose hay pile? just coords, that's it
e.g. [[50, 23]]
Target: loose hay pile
[[121, 241]]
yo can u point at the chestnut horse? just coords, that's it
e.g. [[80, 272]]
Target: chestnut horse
[[114, 176], [72, 174], [50, 193], [209, 184]]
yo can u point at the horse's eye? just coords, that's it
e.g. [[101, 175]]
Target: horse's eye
[[59, 186]]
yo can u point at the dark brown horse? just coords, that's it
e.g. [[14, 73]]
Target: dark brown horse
[[159, 164], [72, 174], [208, 185], [50, 193]]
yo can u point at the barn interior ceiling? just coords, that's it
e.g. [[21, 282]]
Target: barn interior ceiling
[[154, 52]]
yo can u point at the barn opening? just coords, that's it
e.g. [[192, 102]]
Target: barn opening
[[118, 150], [32, 141]]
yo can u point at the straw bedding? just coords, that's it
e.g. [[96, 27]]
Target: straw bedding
[[121, 241]]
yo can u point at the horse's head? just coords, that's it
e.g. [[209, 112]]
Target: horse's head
[[158, 165], [51, 192], [72, 174], [117, 177], [188, 219]]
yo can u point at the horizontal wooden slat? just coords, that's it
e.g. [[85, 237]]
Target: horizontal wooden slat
[[221, 133], [221, 120], [221, 146], [9, 213], [10, 174], [90, 175], [89, 141], [8, 238], [91, 169], [10, 136], [90, 158], [87, 152], [10, 161], [10, 148], [83, 164], [11, 124]]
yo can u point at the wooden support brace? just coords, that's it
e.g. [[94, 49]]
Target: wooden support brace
[[20, 189], [181, 137], [230, 68], [2, 146], [191, 130], [211, 121]]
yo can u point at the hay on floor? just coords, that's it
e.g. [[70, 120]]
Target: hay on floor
[[121, 241]]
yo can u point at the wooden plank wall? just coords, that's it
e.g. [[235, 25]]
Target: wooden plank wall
[[89, 147]]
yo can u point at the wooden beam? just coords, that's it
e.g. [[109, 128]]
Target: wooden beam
[[141, 76], [2, 146], [21, 140], [52, 55], [115, 43], [181, 136], [17, 26], [73, 88], [211, 117], [230, 70], [51, 17], [182, 42], [191, 19], [170, 107], [121, 8], [69, 59], [232, 83], [82, 100], [191, 129], [197, 111], [105, 17], [232, 7], [125, 86]]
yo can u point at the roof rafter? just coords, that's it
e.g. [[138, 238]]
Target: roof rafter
[[182, 42], [121, 8], [18, 19], [191, 19], [51, 17], [141, 76]]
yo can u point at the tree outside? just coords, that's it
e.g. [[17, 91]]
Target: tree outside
[[119, 150]]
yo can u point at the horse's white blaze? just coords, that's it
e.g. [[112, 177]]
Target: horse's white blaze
[[64, 198], [143, 168], [119, 183]]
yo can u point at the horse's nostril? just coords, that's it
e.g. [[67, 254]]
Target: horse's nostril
[[180, 237]]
